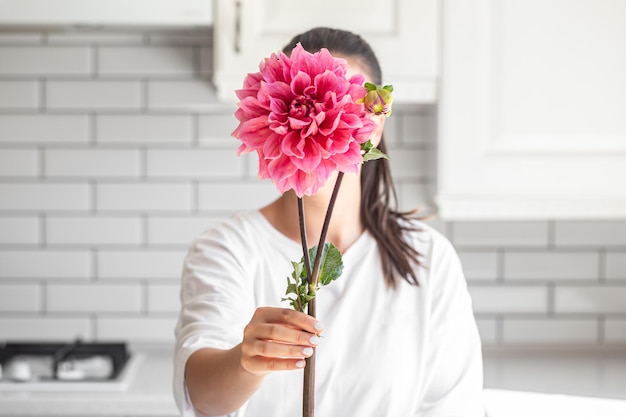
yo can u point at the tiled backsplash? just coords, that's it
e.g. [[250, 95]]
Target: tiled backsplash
[[114, 154]]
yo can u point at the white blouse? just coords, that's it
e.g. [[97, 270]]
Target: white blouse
[[414, 351]]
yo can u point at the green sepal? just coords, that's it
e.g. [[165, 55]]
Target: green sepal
[[388, 88], [370, 86]]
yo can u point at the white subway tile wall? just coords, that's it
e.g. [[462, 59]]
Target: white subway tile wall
[[19, 94], [20, 38], [97, 94], [145, 60], [115, 154], [94, 297], [40, 129], [45, 60], [550, 331], [46, 327], [19, 162], [616, 265], [94, 230], [20, 298], [46, 264], [132, 130], [19, 230]]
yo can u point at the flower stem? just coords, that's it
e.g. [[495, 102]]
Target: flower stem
[[305, 245], [308, 394], [329, 213]]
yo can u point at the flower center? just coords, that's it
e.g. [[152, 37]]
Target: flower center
[[300, 107]]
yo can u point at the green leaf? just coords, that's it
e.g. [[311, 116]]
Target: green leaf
[[388, 88], [332, 264], [291, 288], [371, 153], [298, 269], [374, 153], [299, 290], [312, 253]]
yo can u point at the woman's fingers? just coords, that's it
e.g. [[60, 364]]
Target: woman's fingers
[[272, 349], [294, 318], [261, 365], [272, 356], [283, 334], [278, 339]]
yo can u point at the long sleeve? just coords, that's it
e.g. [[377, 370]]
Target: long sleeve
[[216, 302]]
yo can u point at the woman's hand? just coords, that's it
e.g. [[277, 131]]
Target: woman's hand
[[278, 339]]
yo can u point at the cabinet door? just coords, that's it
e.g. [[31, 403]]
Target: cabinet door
[[403, 33], [533, 109]]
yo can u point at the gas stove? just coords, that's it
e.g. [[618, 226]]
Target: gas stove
[[66, 366]]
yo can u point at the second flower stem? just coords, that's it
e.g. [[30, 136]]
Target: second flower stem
[[320, 246], [308, 398]]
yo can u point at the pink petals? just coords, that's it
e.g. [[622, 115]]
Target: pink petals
[[300, 114]]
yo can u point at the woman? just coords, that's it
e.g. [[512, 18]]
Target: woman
[[395, 334]]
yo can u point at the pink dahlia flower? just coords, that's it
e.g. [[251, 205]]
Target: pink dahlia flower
[[300, 114]]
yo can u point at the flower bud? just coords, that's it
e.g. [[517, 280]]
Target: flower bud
[[378, 99]]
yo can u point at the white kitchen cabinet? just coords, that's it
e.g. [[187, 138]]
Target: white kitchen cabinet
[[532, 110], [38, 14], [403, 33]]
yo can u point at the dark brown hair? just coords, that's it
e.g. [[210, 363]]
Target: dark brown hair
[[378, 194]]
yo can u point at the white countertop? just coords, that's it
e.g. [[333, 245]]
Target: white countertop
[[583, 371], [599, 373], [554, 381]]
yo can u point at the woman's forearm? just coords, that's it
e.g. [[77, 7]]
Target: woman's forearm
[[276, 339], [216, 381]]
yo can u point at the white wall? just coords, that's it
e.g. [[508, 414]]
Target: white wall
[[114, 154]]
